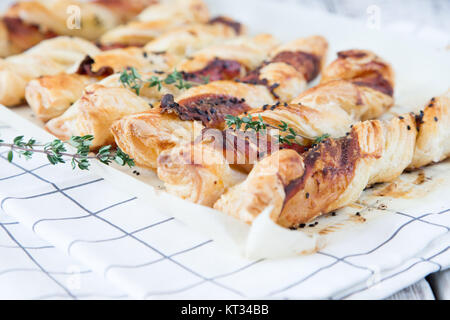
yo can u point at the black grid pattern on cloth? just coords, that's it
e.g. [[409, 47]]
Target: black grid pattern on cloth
[[201, 279]]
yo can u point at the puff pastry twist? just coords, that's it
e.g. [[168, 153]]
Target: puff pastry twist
[[26, 23], [50, 96], [300, 187], [155, 20], [50, 57], [208, 104], [254, 95], [330, 107]]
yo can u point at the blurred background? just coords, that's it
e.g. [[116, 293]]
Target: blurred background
[[426, 19]]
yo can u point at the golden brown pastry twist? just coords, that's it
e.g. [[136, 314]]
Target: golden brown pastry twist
[[210, 103], [25, 24], [103, 103], [155, 20], [50, 96], [329, 108], [300, 187], [196, 97], [50, 57], [146, 135]]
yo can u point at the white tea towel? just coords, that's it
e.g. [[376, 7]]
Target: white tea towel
[[31, 268], [149, 255]]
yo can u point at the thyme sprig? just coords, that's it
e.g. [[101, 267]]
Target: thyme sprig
[[130, 78], [257, 125], [56, 150]]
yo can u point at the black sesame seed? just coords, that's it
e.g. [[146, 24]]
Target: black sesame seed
[[312, 225], [358, 214], [401, 118], [302, 225], [436, 119], [333, 214], [408, 127], [307, 195]]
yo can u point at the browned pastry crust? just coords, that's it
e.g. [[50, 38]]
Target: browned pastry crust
[[17, 36], [433, 140], [300, 187], [363, 68], [192, 183], [126, 9], [26, 23], [145, 136], [157, 19], [290, 67], [234, 58], [210, 103], [186, 40], [329, 108], [94, 113], [103, 103], [48, 98], [50, 57]]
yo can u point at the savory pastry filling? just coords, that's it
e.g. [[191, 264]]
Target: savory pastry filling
[[218, 69], [210, 109]]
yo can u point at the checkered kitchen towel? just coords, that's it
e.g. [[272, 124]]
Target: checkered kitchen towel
[[145, 254]]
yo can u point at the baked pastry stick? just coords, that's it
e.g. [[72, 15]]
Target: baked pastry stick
[[197, 98], [50, 57], [144, 144], [433, 139], [144, 136], [183, 41], [104, 102], [50, 96], [156, 20], [229, 60], [333, 105], [290, 67], [299, 187], [25, 24], [329, 108]]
